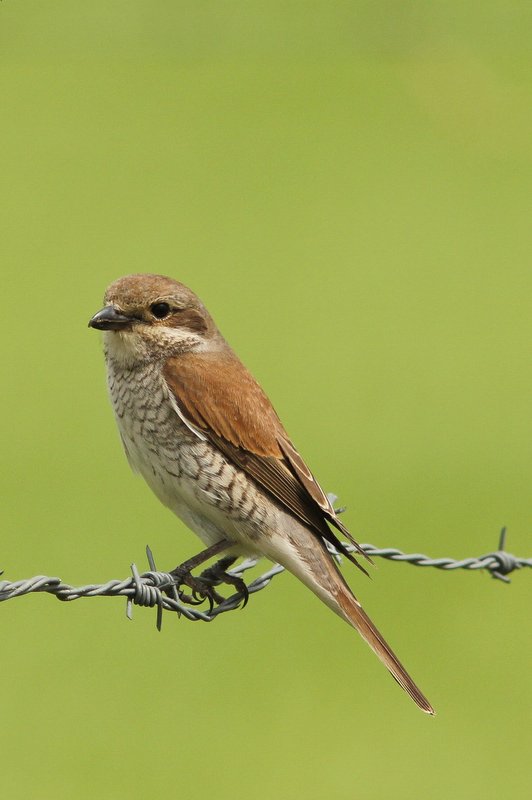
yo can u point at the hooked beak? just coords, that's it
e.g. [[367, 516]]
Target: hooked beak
[[110, 319]]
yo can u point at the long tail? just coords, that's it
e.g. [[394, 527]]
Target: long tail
[[352, 612], [316, 569]]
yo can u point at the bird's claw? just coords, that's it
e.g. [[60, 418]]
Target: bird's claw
[[200, 589], [217, 574]]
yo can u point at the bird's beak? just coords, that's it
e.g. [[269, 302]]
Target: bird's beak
[[110, 319]]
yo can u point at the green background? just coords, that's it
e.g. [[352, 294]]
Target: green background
[[347, 187]]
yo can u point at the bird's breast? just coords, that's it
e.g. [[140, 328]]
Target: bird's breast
[[188, 474]]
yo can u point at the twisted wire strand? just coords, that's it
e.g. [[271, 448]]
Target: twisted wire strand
[[157, 589]]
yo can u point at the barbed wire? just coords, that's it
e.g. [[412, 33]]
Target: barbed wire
[[158, 589]]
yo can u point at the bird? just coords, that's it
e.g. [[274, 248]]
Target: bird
[[203, 434]]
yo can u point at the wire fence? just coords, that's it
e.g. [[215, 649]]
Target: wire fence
[[160, 590]]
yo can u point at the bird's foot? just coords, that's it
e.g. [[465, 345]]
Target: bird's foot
[[203, 587], [217, 574], [201, 590]]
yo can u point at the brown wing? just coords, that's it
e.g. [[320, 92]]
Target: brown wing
[[218, 396]]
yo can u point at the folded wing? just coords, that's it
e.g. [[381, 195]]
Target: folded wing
[[219, 398]]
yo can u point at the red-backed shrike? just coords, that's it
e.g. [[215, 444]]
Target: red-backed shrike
[[205, 437]]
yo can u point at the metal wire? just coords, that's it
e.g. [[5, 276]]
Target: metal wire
[[157, 589]]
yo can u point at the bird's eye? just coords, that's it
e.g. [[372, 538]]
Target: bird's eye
[[160, 310]]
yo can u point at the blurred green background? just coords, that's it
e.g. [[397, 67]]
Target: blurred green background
[[347, 187]]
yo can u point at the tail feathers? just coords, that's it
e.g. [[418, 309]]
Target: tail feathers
[[314, 566], [352, 611]]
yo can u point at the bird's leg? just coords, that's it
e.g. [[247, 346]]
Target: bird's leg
[[202, 557], [217, 574], [201, 590]]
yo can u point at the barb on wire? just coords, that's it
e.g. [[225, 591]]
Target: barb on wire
[[158, 589]]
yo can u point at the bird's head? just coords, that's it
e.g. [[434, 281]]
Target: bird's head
[[146, 317]]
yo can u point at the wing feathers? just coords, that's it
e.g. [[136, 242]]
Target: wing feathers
[[218, 394], [215, 394], [318, 495]]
